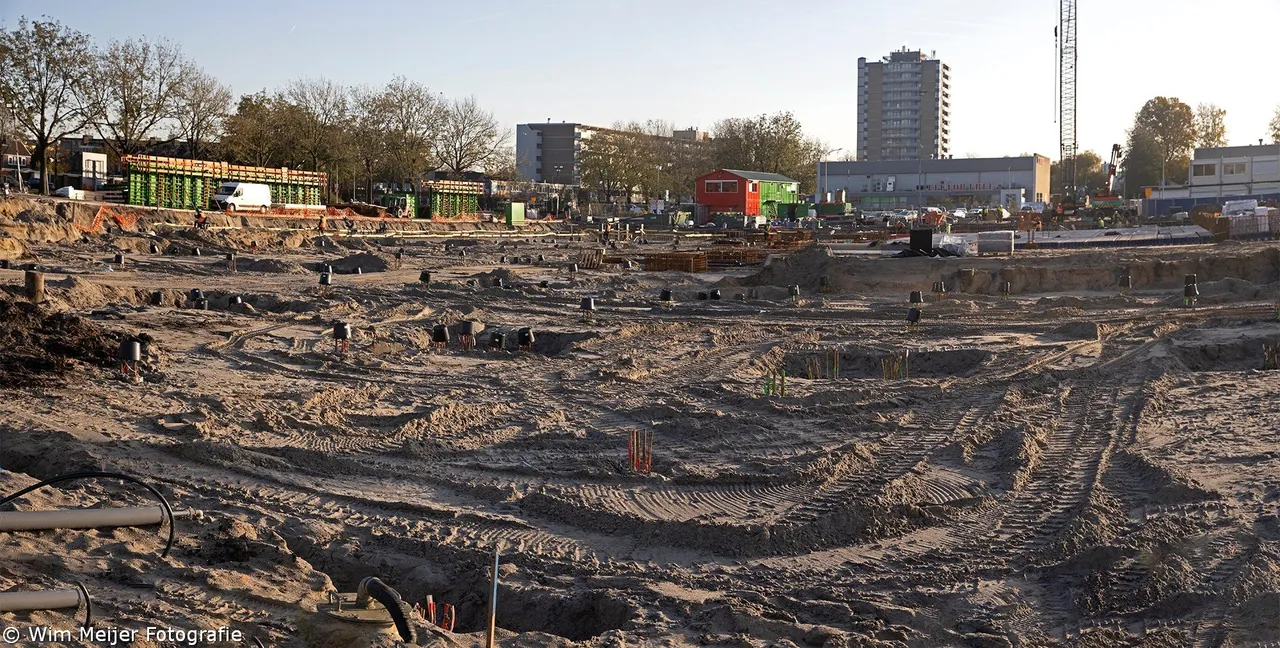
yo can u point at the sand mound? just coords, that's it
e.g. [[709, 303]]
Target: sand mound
[[11, 248], [488, 278], [804, 268], [40, 347], [1231, 290], [366, 261], [270, 266]]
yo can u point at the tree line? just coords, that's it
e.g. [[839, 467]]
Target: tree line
[[645, 158], [1158, 146], [134, 94]]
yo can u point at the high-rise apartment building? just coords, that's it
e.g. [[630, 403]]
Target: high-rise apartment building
[[904, 107]]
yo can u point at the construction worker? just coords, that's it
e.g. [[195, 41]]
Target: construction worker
[[200, 218]]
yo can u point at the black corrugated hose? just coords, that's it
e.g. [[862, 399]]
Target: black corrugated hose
[[396, 606]]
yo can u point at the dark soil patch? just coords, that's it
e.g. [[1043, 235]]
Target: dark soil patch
[[40, 347]]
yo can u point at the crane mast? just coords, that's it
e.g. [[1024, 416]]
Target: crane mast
[[1067, 60]]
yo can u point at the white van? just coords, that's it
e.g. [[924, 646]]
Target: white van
[[243, 196]]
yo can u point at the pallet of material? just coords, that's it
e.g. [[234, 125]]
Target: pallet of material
[[732, 255], [682, 261]]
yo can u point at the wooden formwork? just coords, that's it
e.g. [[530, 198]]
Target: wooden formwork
[[589, 260], [682, 261]]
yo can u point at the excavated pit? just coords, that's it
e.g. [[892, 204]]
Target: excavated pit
[[862, 362], [458, 579], [1226, 349]]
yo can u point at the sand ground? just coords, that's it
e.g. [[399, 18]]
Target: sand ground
[[1068, 466]]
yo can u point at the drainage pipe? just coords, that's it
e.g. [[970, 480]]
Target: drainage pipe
[[48, 600], [164, 503], [87, 518]]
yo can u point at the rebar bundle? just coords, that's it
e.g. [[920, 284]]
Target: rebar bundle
[[775, 383], [896, 366], [640, 451], [824, 365]]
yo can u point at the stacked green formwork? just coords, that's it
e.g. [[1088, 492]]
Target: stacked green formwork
[[176, 183], [453, 199]]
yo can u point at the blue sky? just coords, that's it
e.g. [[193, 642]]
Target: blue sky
[[694, 61]]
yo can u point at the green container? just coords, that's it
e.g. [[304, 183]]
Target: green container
[[515, 214]]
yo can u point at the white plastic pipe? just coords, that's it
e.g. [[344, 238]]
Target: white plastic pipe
[[86, 518], [39, 600]]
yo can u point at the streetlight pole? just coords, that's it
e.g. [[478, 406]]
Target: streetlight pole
[[821, 185]]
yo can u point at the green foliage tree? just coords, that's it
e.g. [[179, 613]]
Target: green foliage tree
[[1091, 172], [262, 132], [1160, 143], [771, 143], [44, 66], [1211, 125], [1141, 166]]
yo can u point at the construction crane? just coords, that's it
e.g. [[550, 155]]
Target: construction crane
[[1067, 59]]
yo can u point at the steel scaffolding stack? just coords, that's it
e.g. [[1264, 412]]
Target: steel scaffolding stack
[[177, 183], [453, 199]]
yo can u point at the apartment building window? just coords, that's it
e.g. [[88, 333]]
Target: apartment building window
[[1234, 168], [1203, 170]]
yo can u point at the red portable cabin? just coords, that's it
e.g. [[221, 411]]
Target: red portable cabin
[[730, 191]]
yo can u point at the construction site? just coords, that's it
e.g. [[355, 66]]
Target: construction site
[[242, 408], [658, 445]]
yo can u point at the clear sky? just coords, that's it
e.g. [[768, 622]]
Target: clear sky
[[695, 61]]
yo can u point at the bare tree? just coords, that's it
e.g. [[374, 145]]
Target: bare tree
[[134, 91], [43, 65], [1211, 126], [202, 104], [324, 106], [413, 117], [503, 166], [368, 130], [1274, 127], [469, 136]]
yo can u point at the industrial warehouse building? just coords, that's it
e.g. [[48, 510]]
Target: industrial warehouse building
[[884, 185], [751, 193]]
